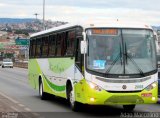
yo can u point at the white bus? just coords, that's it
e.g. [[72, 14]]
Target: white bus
[[96, 64]]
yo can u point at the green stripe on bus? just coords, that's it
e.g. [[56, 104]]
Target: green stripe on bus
[[55, 87]]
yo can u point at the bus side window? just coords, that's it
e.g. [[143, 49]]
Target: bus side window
[[34, 48], [45, 46], [58, 46], [38, 47], [79, 59], [30, 48], [70, 43], [63, 44], [52, 45]]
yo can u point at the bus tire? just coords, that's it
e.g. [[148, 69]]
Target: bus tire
[[42, 94], [129, 107], [73, 104]]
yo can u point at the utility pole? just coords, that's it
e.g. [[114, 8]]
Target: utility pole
[[44, 14]]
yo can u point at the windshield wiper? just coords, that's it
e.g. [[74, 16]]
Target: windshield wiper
[[119, 56], [132, 60]]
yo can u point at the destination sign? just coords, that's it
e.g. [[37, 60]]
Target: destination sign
[[105, 31]]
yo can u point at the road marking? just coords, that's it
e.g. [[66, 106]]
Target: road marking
[[21, 105], [14, 101], [14, 108], [27, 109]]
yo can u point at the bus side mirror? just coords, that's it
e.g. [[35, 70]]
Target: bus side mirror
[[83, 47]]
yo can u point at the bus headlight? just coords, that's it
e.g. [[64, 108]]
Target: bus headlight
[[94, 86], [151, 86]]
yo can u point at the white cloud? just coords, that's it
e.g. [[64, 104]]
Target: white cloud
[[3, 5], [75, 14], [74, 10]]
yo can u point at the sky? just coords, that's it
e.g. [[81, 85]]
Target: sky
[[144, 11]]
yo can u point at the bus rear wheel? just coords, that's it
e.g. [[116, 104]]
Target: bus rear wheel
[[129, 107], [42, 94]]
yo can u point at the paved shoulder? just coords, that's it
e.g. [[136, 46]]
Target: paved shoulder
[[12, 108]]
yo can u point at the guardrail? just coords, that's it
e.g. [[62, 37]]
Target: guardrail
[[20, 64]]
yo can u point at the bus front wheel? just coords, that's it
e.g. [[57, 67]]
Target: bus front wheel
[[129, 107], [71, 98]]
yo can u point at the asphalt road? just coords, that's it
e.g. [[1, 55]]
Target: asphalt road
[[14, 84]]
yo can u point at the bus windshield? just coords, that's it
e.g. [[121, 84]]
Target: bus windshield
[[121, 51]]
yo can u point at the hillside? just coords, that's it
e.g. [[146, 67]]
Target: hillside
[[26, 25]]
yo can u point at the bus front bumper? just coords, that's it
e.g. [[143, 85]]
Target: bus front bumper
[[86, 95]]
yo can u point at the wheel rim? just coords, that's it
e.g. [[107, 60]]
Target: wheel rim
[[41, 91], [71, 98]]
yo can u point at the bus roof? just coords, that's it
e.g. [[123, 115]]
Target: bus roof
[[94, 25], [66, 26]]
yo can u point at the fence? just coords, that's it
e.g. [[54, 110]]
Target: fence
[[21, 64]]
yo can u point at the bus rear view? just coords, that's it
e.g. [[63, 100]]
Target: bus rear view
[[120, 66]]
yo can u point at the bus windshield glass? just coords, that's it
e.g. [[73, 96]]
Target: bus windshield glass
[[121, 51]]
